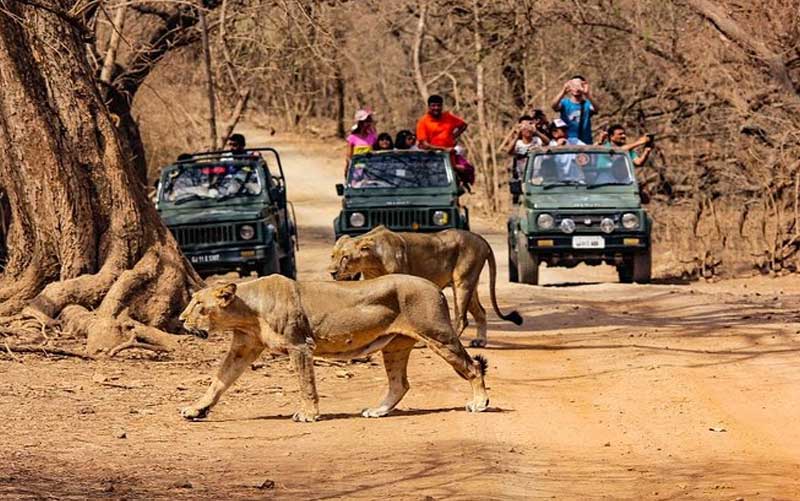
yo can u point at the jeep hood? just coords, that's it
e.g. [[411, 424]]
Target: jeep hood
[[584, 200], [207, 215]]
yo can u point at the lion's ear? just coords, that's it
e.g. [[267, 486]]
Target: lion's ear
[[225, 295], [342, 239], [366, 244]]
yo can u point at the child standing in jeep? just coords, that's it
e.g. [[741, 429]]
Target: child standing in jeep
[[575, 105]]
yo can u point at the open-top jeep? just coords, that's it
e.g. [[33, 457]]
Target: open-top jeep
[[229, 212], [579, 204], [403, 190]]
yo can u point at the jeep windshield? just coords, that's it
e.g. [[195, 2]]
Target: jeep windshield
[[591, 169], [185, 183], [399, 170]]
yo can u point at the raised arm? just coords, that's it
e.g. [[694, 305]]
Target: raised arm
[[556, 104], [640, 160]]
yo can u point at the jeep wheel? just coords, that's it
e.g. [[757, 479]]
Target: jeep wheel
[[625, 272], [642, 266], [527, 262], [513, 276], [270, 265], [289, 266]]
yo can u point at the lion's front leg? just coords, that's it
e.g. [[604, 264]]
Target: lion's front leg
[[303, 365], [243, 351]]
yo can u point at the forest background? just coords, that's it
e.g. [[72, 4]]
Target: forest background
[[717, 82]]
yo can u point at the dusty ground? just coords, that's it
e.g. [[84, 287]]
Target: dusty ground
[[607, 391]]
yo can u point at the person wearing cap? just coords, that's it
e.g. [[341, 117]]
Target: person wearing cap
[[362, 135], [439, 129], [574, 102]]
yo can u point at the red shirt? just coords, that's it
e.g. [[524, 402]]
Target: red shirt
[[439, 132]]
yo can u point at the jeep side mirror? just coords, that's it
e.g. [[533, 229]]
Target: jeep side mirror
[[339, 189], [515, 187]]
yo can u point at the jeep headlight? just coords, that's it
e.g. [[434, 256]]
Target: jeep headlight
[[357, 220], [630, 221], [607, 225], [247, 232], [567, 225], [440, 218], [545, 222]]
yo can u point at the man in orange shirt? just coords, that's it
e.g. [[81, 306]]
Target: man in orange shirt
[[439, 129]]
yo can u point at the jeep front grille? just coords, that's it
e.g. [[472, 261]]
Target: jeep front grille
[[199, 235], [402, 218]]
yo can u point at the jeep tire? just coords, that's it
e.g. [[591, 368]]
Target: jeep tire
[[270, 265], [288, 266], [513, 276], [625, 271], [527, 262], [642, 267]]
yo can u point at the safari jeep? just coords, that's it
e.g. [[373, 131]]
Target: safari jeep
[[578, 204], [403, 190], [230, 212]]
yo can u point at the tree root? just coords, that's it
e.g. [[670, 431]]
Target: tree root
[[108, 335], [133, 343], [45, 350]]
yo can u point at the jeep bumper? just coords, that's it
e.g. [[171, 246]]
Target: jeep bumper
[[228, 258], [560, 249]]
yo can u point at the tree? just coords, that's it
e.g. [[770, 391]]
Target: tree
[[85, 243]]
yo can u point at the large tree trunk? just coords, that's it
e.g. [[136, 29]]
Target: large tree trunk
[[85, 243]]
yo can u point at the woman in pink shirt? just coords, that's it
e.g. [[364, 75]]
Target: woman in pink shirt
[[362, 136]]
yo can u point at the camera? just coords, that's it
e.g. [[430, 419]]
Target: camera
[[651, 140]]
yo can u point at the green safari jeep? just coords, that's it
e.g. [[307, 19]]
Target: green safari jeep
[[404, 190], [578, 204], [230, 212]]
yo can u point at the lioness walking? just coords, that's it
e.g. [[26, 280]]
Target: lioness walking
[[448, 257], [333, 320]]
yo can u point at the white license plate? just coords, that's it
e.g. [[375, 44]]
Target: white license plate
[[205, 258], [588, 243]]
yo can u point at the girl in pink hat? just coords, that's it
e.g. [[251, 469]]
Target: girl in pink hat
[[362, 135]]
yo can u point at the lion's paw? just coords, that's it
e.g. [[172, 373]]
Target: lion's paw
[[376, 412], [303, 417], [192, 413], [477, 343], [478, 406]]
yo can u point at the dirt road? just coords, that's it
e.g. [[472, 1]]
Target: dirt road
[[607, 391]]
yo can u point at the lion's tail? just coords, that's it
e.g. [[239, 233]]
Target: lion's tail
[[514, 316], [483, 364]]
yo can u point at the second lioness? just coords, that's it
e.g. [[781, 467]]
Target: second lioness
[[449, 257]]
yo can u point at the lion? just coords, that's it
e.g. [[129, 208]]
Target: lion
[[448, 257], [339, 320]]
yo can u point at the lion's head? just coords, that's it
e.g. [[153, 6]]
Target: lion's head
[[208, 308], [353, 256]]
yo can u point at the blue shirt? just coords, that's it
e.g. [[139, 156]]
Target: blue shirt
[[578, 117]]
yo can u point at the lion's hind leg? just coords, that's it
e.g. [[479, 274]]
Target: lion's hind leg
[[446, 344], [395, 361], [479, 313]]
